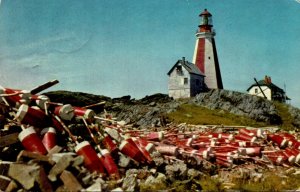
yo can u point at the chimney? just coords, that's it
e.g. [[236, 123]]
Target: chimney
[[268, 80], [183, 60]]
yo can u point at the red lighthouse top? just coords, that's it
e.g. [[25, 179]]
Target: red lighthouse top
[[206, 21]]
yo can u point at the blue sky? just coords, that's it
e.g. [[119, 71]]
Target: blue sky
[[126, 47]]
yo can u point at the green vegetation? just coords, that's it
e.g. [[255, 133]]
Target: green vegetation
[[211, 184], [193, 114], [287, 119], [197, 115], [270, 182], [153, 187]]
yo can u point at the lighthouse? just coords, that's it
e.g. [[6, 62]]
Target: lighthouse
[[205, 54]]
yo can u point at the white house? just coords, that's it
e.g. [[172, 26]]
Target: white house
[[265, 88], [185, 80]]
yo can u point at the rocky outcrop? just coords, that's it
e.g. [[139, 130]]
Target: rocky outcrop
[[295, 113], [151, 110], [237, 103], [143, 115]]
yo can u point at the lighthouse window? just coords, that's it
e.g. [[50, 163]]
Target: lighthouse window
[[185, 81], [205, 20], [208, 57]]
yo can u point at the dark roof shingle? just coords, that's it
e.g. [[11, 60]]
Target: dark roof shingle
[[190, 67]]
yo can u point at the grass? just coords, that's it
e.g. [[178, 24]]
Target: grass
[[270, 182], [193, 114], [287, 119], [210, 184]]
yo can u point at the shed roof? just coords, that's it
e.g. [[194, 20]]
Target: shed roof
[[272, 86], [190, 67]]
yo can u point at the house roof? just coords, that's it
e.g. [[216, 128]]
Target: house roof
[[190, 67], [270, 85]]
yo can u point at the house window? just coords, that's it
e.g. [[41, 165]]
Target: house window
[[179, 70], [185, 81], [255, 90]]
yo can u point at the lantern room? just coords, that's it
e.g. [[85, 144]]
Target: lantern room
[[206, 21]]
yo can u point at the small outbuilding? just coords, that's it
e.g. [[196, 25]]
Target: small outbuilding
[[265, 88], [185, 80]]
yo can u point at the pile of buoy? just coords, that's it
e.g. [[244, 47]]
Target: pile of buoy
[[41, 119]]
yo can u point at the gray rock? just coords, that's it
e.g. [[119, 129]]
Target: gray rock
[[157, 158], [237, 103], [130, 181], [124, 160], [150, 180], [23, 174], [193, 173], [160, 179], [95, 187], [295, 113], [177, 170]]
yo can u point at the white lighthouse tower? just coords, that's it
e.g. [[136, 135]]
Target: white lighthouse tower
[[205, 54]]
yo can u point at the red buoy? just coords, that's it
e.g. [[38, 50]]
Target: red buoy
[[65, 112], [31, 116], [91, 159], [31, 141], [109, 164], [49, 137]]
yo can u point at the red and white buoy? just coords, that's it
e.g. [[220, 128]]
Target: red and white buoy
[[49, 137], [65, 112], [127, 148], [109, 164], [251, 151], [224, 155], [224, 161], [56, 124], [292, 142], [252, 132], [184, 142], [244, 137], [288, 136], [226, 136], [167, 150], [279, 140], [31, 141], [293, 155], [205, 152], [297, 154], [41, 101], [296, 145], [274, 156], [144, 151], [91, 159], [242, 144], [109, 144], [31, 116], [14, 97], [87, 114], [154, 136], [144, 144]]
